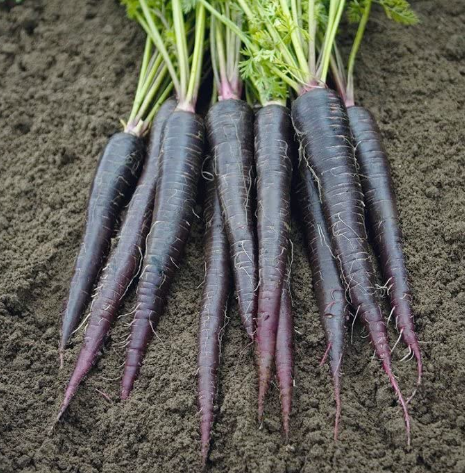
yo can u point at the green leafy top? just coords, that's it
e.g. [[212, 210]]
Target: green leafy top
[[399, 11], [177, 30], [285, 35], [264, 56]]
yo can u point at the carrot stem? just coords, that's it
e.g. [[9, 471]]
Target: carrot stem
[[353, 53]]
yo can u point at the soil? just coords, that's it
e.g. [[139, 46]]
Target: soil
[[68, 71]]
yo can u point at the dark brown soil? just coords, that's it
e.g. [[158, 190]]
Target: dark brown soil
[[67, 73]]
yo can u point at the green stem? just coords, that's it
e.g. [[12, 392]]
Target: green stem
[[142, 74], [291, 83], [338, 75], [159, 102], [214, 52], [149, 26], [196, 72], [311, 38], [229, 24], [353, 53], [229, 35], [295, 38], [221, 54], [146, 85], [330, 36], [152, 92], [181, 44]]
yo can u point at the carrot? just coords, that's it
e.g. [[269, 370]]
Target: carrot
[[172, 216], [273, 149], [124, 261], [112, 187], [180, 163], [376, 180], [383, 217], [322, 125], [229, 126], [285, 354], [327, 284], [212, 313], [116, 176]]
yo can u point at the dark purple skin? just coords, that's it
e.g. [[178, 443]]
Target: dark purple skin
[[180, 162], [113, 184], [216, 291], [285, 354], [383, 219], [124, 262], [274, 145], [322, 126], [230, 130], [327, 284]]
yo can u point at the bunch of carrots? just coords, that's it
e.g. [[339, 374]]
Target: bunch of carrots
[[252, 153]]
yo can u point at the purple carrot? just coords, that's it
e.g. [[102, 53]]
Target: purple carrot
[[113, 184], [180, 163], [230, 134], [322, 125], [383, 218], [327, 284], [273, 154], [124, 261], [285, 354], [212, 314]]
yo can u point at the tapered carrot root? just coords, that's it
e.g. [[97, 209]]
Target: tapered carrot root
[[114, 181], [124, 261], [212, 314], [273, 152], [230, 134], [180, 163], [327, 284], [322, 125], [383, 217], [285, 354]]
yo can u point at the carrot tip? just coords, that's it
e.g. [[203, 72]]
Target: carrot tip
[[337, 397], [286, 430], [60, 413], [417, 354], [402, 402], [325, 356], [205, 449]]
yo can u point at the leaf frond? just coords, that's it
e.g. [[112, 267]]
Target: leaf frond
[[399, 11]]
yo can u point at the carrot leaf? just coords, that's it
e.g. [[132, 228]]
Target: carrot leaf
[[399, 11]]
